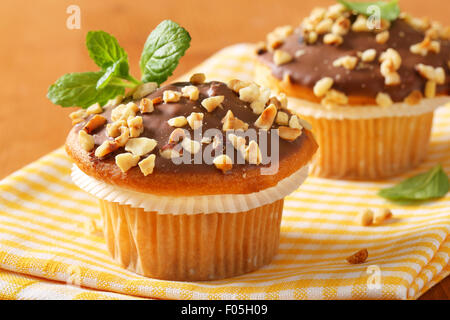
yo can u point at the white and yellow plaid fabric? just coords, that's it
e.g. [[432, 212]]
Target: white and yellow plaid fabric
[[46, 240]]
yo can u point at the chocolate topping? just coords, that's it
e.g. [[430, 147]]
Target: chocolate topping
[[156, 126], [365, 80]]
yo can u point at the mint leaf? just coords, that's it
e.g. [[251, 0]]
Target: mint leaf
[[109, 74], [105, 50], [162, 51], [388, 10], [425, 186], [80, 89]]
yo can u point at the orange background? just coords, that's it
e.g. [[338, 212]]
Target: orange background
[[37, 48]]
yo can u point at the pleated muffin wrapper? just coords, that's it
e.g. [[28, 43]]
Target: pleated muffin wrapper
[[368, 142], [193, 238]]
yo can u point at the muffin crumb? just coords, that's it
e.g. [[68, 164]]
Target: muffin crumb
[[358, 257]]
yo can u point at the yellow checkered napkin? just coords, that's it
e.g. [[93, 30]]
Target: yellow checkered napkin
[[48, 235]]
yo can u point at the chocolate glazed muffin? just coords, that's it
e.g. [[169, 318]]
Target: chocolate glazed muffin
[[369, 90], [191, 220]]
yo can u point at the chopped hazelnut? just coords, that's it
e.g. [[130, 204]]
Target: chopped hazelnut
[[335, 11], [348, 62], [253, 153], [77, 116], [136, 126], [195, 120], [289, 134], [334, 98], [147, 165], [311, 37], [341, 26], [430, 89], [324, 26], [282, 118], [140, 146], [96, 122], [427, 45], [383, 99], [177, 135], [146, 105], [106, 148], [113, 129], [382, 37], [230, 122], [126, 161], [257, 106], [332, 39], [177, 122], [305, 124], [393, 56], [94, 109], [211, 103], [144, 90], [171, 96], [123, 112], [197, 78], [190, 92], [382, 215], [282, 98], [86, 141], [123, 138], [368, 55], [360, 24], [358, 257], [414, 98], [191, 146], [238, 143], [277, 36], [431, 73], [206, 140], [265, 120], [157, 100], [169, 152], [281, 57], [390, 62], [223, 162], [365, 217], [322, 86], [295, 123], [249, 93], [237, 85]]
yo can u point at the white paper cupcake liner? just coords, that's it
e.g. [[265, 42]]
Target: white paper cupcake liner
[[307, 108], [223, 203]]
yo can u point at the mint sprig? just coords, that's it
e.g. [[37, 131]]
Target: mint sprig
[[80, 89], [429, 185], [388, 10], [162, 51]]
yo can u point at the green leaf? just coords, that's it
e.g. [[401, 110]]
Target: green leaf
[[105, 50], [110, 72], [425, 186], [388, 10], [80, 89], [162, 51]]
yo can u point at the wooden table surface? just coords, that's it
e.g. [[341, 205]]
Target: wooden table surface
[[37, 48]]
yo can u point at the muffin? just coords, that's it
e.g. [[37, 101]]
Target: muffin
[[368, 87], [191, 176]]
